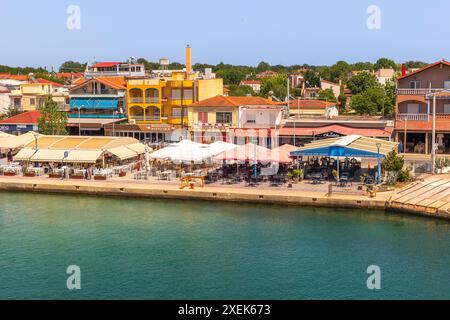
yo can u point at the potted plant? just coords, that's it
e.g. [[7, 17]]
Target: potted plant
[[298, 174], [335, 174]]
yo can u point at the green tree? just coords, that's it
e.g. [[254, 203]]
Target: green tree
[[342, 99], [385, 63], [362, 82], [390, 88], [72, 66], [276, 85], [415, 64], [393, 162], [312, 79], [52, 121], [327, 95], [370, 102], [262, 66], [230, 76], [240, 91]]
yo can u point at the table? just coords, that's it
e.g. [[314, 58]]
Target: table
[[165, 175], [189, 178], [16, 169], [37, 171]]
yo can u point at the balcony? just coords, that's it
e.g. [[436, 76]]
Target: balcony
[[417, 92], [412, 117], [147, 118], [136, 100], [212, 126], [151, 100]]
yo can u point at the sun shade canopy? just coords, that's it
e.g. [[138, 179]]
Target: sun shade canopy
[[83, 156], [350, 146], [24, 154]]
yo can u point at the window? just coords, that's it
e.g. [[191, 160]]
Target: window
[[176, 94], [176, 112], [17, 102], [414, 84], [447, 84], [187, 94], [203, 117], [412, 108], [32, 102], [447, 108], [224, 117]]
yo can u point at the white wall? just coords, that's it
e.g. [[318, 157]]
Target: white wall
[[262, 117]]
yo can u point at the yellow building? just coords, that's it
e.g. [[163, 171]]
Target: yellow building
[[165, 100], [31, 96]]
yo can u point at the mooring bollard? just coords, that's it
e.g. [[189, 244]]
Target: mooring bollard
[[330, 189]]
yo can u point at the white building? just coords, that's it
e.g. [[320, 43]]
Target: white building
[[267, 116]]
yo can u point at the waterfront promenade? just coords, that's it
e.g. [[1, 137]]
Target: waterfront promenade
[[300, 194], [429, 196]]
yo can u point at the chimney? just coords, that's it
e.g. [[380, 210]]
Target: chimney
[[188, 59], [403, 70]]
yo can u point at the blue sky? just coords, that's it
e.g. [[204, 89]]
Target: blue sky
[[233, 31]]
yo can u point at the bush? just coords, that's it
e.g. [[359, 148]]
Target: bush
[[404, 176]]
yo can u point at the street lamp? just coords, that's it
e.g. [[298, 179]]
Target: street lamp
[[79, 120], [379, 165], [113, 126], [433, 130]]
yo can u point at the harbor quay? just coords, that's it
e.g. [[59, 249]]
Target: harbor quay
[[303, 194]]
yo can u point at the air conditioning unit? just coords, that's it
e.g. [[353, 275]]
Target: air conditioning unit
[[132, 121]]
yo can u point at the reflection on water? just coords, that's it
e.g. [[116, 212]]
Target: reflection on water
[[167, 249]]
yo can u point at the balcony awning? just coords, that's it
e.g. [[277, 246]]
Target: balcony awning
[[349, 146], [89, 103]]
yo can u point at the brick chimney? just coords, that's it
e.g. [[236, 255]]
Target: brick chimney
[[403, 70], [188, 59]]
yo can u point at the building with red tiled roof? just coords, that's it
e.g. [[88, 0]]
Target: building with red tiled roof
[[414, 108], [21, 123], [53, 83], [219, 117], [98, 98], [254, 84]]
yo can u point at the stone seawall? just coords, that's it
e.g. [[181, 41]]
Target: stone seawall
[[208, 193], [383, 201]]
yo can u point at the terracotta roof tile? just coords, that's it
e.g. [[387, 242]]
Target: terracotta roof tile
[[221, 101], [30, 117], [425, 68]]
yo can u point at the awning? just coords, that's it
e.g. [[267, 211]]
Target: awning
[[139, 148], [48, 155], [86, 103], [83, 156], [17, 141], [123, 153], [350, 146], [337, 129], [24, 155]]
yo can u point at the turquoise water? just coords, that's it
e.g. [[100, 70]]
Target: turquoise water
[[151, 249]]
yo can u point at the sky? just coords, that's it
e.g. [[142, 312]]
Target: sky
[[35, 33]]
